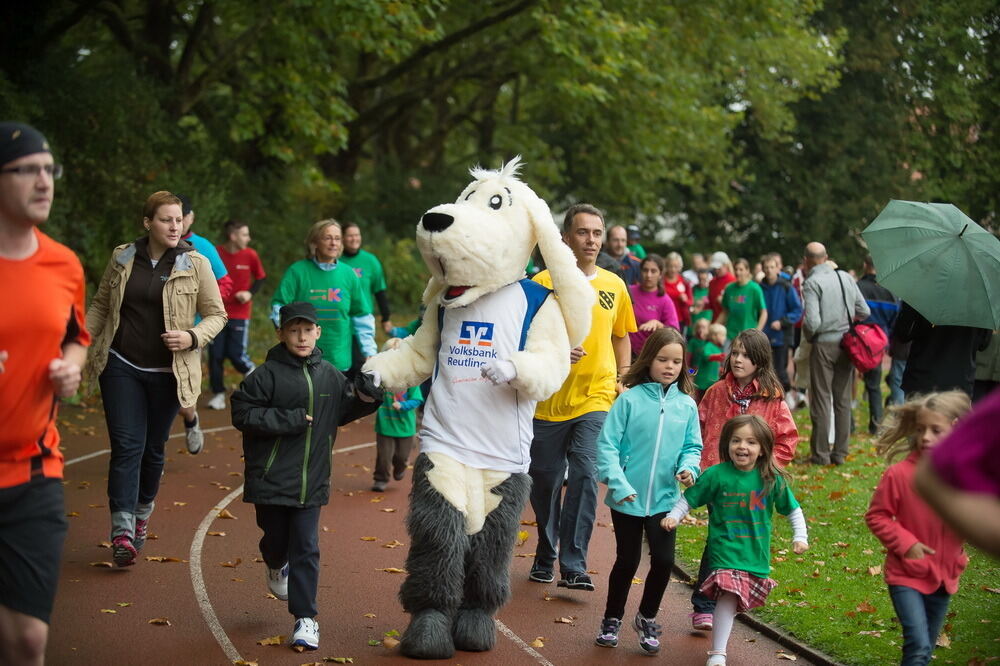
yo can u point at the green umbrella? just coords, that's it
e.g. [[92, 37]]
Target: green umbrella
[[939, 261]]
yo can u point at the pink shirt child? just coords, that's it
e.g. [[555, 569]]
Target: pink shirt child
[[649, 306], [899, 518]]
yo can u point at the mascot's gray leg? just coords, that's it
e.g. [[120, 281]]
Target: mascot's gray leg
[[487, 568], [435, 568]]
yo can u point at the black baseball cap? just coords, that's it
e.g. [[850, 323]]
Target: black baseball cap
[[185, 204], [297, 310]]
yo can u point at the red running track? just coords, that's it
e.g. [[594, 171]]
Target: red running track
[[213, 594]]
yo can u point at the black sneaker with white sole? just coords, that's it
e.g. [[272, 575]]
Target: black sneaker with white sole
[[539, 575], [576, 580]]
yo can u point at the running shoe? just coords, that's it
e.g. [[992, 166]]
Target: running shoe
[[649, 633], [539, 575], [218, 401], [576, 580], [306, 633], [610, 626], [141, 532], [701, 621], [123, 551], [277, 581]]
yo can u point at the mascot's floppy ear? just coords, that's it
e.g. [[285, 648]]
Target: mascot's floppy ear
[[572, 289]]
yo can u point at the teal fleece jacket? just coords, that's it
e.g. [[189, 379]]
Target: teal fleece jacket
[[649, 436]]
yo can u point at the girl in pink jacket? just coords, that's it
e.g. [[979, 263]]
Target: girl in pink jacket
[[924, 558]]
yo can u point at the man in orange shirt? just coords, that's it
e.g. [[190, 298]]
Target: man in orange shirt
[[42, 350]]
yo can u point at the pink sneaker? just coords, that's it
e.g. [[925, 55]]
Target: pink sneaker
[[701, 621], [141, 532], [123, 551]]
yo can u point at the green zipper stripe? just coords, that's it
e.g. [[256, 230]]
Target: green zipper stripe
[[270, 458], [309, 412]]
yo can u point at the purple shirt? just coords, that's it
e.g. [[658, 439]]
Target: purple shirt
[[648, 306], [969, 458]]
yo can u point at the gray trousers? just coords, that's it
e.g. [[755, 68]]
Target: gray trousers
[[565, 522], [830, 374]]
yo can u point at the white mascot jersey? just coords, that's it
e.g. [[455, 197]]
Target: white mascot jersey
[[465, 407]]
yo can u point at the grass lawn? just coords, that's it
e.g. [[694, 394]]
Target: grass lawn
[[833, 597]]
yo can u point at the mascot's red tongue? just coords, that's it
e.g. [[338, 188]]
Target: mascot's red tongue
[[455, 292]]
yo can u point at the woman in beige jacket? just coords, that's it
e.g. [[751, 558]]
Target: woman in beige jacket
[[146, 356]]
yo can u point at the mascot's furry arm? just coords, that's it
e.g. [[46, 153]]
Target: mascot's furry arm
[[413, 361]]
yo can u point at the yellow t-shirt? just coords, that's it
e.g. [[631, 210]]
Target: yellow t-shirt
[[590, 386]]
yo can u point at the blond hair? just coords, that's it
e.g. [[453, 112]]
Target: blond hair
[[898, 434], [717, 328], [315, 231]]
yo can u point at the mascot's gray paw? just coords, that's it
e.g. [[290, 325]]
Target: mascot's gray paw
[[428, 636], [474, 630]]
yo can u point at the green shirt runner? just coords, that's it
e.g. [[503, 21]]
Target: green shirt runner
[[739, 517], [743, 304], [399, 422], [369, 269], [337, 295]]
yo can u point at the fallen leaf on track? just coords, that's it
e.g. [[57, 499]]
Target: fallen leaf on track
[[180, 503], [522, 536], [565, 620], [161, 558], [392, 544], [377, 499], [271, 640], [787, 657], [231, 565], [123, 604], [109, 611], [372, 615], [392, 570], [104, 544], [73, 514], [161, 621], [369, 538], [339, 660], [636, 581], [216, 534], [388, 510], [533, 523], [105, 565], [226, 514], [244, 662], [866, 607], [538, 642], [389, 642]]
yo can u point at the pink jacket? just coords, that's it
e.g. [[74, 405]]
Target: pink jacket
[[717, 407], [899, 518]]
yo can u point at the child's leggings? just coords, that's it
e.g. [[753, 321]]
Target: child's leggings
[[921, 616], [722, 620], [628, 538]]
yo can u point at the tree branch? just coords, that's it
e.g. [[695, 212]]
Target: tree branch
[[59, 28], [205, 15], [445, 43]]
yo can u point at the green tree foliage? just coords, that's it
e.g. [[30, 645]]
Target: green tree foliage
[[281, 113], [913, 117]]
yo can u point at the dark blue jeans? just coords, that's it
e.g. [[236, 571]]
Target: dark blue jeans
[[291, 535], [921, 616], [139, 408], [230, 343], [565, 522]]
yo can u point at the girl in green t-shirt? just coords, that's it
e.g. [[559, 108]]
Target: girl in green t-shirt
[[742, 492]]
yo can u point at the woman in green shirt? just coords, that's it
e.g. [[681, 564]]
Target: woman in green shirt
[[342, 307], [742, 303]]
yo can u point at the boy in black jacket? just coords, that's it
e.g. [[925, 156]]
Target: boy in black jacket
[[288, 410]]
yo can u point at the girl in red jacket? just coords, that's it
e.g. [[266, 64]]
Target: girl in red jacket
[[924, 558], [748, 385]]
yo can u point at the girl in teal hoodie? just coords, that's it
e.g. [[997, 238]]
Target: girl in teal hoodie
[[650, 441]]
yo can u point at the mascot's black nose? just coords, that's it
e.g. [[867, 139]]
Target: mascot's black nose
[[437, 221]]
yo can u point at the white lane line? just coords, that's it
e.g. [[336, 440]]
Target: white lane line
[[198, 580], [505, 630], [219, 429], [87, 457]]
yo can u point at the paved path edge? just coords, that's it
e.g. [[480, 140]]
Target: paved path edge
[[779, 636]]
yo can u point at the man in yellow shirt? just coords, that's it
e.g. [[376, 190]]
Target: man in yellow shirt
[[567, 424]]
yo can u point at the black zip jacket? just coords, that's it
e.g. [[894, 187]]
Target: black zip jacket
[[287, 458]]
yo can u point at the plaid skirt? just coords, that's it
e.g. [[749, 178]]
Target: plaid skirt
[[750, 590]]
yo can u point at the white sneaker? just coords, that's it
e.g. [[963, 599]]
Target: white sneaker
[[716, 658], [306, 633], [195, 439], [277, 581], [218, 401]]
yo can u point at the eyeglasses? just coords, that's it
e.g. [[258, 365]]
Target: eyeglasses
[[55, 171]]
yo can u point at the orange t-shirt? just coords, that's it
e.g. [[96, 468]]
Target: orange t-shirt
[[42, 298]]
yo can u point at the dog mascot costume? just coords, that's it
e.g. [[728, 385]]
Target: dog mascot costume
[[496, 343]]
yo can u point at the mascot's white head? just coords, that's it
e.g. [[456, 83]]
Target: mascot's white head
[[484, 240]]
